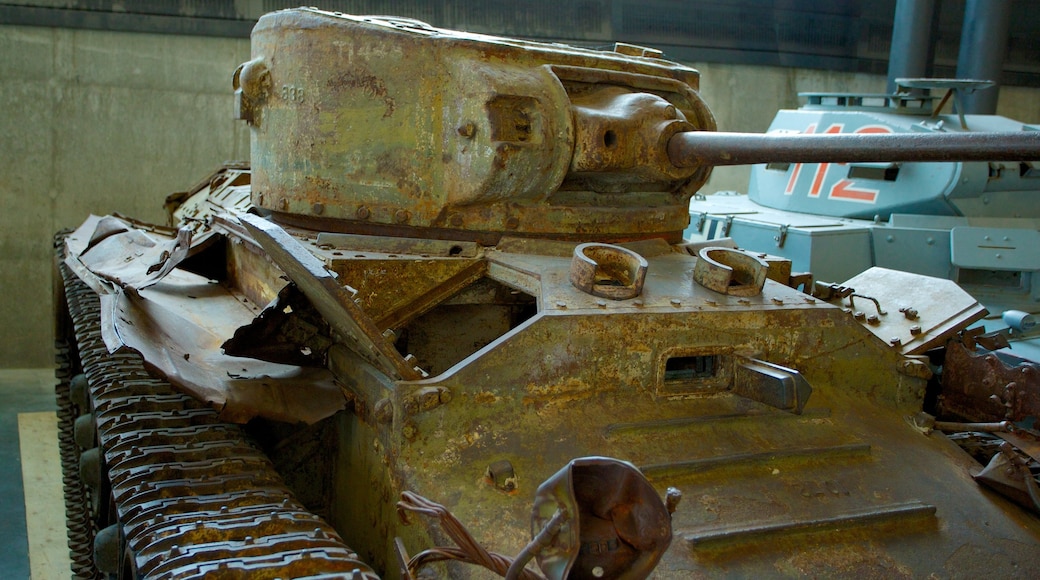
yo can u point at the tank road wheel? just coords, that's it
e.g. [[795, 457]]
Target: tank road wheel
[[80, 526]]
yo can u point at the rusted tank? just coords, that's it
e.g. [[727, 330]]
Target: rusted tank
[[444, 324]]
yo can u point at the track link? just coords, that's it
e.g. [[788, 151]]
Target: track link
[[190, 496]]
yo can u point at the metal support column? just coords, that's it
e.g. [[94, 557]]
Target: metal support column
[[912, 41], [984, 41]]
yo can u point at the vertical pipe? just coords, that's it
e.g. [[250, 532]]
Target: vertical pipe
[[984, 41], [912, 41]]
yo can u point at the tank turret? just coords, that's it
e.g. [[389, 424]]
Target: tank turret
[[385, 125]]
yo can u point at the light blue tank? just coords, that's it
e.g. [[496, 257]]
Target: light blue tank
[[975, 223]]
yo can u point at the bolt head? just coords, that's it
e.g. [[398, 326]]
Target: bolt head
[[502, 475], [410, 431]]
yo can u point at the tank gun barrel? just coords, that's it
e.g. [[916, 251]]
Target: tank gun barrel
[[710, 148]]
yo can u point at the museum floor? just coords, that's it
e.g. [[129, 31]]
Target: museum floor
[[32, 512]]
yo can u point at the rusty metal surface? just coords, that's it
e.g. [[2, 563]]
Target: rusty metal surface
[[730, 271], [608, 271], [1011, 475], [621, 138], [335, 301], [179, 326], [696, 367], [193, 496], [703, 148], [523, 148], [586, 376], [614, 524], [771, 384], [912, 313], [981, 387], [226, 190], [395, 245], [423, 273], [128, 257], [178, 320], [288, 331], [764, 488]]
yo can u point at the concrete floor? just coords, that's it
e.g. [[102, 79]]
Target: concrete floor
[[32, 518]]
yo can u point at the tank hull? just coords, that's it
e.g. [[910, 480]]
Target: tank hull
[[522, 368]]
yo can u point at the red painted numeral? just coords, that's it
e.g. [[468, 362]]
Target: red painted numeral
[[844, 189]]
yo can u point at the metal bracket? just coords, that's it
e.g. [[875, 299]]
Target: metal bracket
[[781, 237], [771, 384], [608, 271], [954, 88], [726, 226], [730, 271]]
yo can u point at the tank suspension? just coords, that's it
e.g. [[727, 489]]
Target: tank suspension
[[709, 148], [191, 496]]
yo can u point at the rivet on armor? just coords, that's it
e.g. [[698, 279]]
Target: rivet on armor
[[384, 411], [410, 431], [502, 475]]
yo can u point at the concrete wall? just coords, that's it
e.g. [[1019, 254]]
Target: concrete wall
[[101, 122], [97, 122]]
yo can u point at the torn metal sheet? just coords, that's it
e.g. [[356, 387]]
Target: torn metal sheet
[[178, 326], [289, 331], [129, 257], [178, 320], [333, 300]]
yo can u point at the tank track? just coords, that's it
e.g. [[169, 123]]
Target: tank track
[[179, 494], [78, 524]]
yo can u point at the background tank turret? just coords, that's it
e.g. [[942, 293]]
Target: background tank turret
[[973, 221], [991, 185], [446, 317]]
